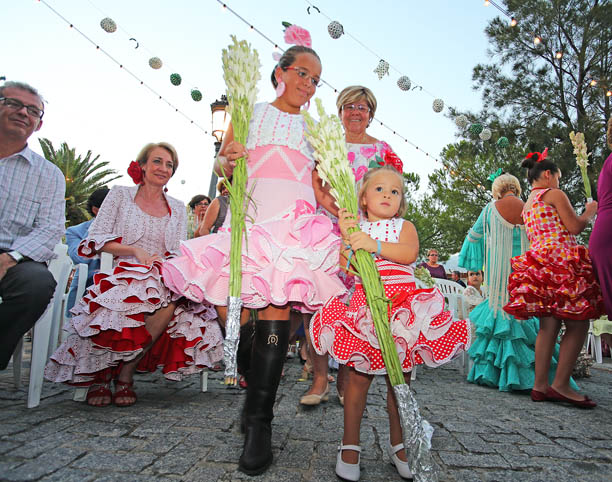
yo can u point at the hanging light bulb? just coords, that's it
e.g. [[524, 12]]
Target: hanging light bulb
[[609, 93], [513, 22], [593, 83], [537, 40], [559, 54]]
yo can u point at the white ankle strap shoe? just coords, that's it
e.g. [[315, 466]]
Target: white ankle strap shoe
[[402, 467], [348, 471]]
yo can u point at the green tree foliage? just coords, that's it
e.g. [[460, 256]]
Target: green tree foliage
[[83, 176], [535, 100], [542, 98]]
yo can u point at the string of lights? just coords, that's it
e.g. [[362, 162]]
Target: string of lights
[[366, 47], [251, 27], [123, 67], [323, 81], [538, 40]]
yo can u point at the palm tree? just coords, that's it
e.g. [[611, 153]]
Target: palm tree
[[83, 176]]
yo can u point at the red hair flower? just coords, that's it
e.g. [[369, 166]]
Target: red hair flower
[[135, 172], [538, 156], [392, 159], [297, 35]]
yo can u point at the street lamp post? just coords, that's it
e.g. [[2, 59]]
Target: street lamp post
[[220, 121]]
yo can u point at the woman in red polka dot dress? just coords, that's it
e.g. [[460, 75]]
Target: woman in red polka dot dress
[[423, 331], [554, 280]]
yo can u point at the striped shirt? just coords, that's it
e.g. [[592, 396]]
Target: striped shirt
[[32, 205]]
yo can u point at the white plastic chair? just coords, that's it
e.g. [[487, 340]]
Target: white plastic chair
[[453, 293], [106, 266], [593, 345], [47, 324], [58, 329]]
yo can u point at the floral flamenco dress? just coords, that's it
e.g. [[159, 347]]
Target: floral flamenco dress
[[423, 331], [108, 324], [555, 276], [503, 350], [290, 255], [360, 156]]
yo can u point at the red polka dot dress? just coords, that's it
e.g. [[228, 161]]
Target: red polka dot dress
[[555, 276], [424, 332]]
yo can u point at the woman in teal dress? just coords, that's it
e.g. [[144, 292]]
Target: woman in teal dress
[[503, 347]]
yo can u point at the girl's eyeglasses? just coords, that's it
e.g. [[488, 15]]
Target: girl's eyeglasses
[[303, 74]]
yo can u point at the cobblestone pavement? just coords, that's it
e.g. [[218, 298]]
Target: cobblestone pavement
[[175, 432]]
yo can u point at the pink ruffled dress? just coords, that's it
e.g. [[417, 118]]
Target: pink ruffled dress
[[108, 323], [423, 331], [291, 254]]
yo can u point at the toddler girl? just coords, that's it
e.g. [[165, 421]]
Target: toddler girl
[[423, 331]]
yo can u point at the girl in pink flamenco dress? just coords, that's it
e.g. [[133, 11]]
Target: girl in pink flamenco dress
[[424, 332], [290, 255]]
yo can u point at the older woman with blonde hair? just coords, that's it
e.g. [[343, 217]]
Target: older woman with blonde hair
[[503, 351], [128, 319]]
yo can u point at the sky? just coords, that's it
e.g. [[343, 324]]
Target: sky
[[93, 104]]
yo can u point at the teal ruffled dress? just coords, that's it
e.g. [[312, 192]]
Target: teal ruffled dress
[[503, 349]]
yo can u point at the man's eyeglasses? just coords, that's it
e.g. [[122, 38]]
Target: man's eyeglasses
[[202, 204], [356, 107], [303, 74], [16, 105], [433, 254]]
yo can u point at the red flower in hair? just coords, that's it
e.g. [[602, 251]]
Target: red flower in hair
[[135, 172], [392, 159], [538, 156]]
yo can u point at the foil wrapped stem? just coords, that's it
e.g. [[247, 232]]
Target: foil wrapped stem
[[416, 442], [232, 338]]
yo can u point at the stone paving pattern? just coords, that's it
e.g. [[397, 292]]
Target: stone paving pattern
[[175, 432]]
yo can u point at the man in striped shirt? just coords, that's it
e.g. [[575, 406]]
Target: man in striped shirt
[[32, 216]]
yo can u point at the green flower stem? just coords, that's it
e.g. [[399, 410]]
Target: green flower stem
[[587, 183], [237, 226], [379, 307]]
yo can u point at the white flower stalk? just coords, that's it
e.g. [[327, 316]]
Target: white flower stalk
[[327, 139], [582, 159], [241, 74]]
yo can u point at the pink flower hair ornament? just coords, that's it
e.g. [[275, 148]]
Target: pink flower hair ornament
[[294, 34]]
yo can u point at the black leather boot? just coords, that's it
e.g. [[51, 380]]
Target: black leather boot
[[269, 352]]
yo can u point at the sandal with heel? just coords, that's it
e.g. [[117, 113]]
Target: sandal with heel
[[124, 390], [99, 390]]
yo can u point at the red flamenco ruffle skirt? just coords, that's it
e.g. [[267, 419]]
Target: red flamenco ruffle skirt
[[108, 329], [554, 281], [423, 331]]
